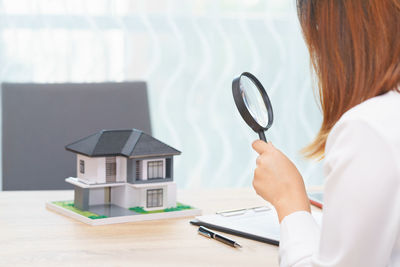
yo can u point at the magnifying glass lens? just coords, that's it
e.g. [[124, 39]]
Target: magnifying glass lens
[[254, 101]]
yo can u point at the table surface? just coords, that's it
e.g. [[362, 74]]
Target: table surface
[[31, 234]]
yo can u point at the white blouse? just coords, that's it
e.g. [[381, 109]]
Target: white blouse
[[361, 214]]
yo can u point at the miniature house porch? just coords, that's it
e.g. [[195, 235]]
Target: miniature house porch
[[126, 168]]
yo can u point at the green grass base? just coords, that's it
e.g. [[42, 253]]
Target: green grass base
[[69, 205], [178, 207]]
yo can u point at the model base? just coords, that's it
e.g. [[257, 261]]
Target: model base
[[111, 214]]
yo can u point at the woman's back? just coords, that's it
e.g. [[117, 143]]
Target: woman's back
[[361, 220], [363, 181]]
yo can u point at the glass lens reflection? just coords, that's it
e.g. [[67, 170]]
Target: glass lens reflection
[[254, 101]]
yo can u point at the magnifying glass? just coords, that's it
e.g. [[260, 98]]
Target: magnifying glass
[[253, 103]]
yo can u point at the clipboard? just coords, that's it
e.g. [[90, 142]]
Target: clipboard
[[258, 223]]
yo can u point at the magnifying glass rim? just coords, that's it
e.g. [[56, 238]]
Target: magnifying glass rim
[[241, 105]]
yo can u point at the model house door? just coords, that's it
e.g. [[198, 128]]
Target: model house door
[[111, 170], [107, 195]]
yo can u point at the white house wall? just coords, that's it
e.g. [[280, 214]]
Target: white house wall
[[95, 169], [119, 195], [101, 170], [171, 195], [133, 197], [121, 169], [143, 197], [96, 196], [137, 197], [90, 168]]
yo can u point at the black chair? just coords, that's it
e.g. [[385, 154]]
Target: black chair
[[38, 120]]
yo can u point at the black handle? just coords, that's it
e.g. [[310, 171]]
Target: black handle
[[262, 136]]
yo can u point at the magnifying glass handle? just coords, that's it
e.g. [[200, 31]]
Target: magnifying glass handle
[[262, 136]]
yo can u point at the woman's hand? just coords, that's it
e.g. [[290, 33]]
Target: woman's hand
[[277, 180]]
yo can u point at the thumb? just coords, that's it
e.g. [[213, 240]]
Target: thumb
[[260, 146]]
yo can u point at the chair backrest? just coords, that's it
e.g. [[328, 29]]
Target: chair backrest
[[38, 120]]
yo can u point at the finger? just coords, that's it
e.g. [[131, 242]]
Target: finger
[[258, 161], [260, 146]]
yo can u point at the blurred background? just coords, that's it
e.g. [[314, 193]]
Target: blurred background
[[188, 52]]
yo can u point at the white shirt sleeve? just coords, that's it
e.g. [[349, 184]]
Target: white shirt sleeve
[[361, 215]]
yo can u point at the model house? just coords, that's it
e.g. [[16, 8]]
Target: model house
[[126, 168]]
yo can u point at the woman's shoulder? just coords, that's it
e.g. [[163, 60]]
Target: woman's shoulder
[[368, 138], [380, 114], [375, 108]]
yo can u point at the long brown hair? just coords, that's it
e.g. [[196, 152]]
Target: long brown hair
[[355, 52]]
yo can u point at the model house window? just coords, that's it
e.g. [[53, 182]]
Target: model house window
[[168, 168], [138, 170], [111, 169], [154, 198], [81, 166], [155, 169]]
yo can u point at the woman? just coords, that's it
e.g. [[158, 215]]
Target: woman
[[355, 51]]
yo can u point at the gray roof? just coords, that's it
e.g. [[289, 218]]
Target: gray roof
[[127, 143]]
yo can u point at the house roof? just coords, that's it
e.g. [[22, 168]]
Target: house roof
[[127, 143]]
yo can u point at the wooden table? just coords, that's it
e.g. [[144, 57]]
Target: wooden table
[[31, 235]]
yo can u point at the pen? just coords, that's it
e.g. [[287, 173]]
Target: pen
[[210, 234]]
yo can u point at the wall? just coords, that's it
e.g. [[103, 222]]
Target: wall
[[120, 195], [96, 196], [91, 168], [95, 169], [121, 169], [101, 170]]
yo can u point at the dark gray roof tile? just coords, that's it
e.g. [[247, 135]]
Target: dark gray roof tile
[[148, 145], [128, 143]]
